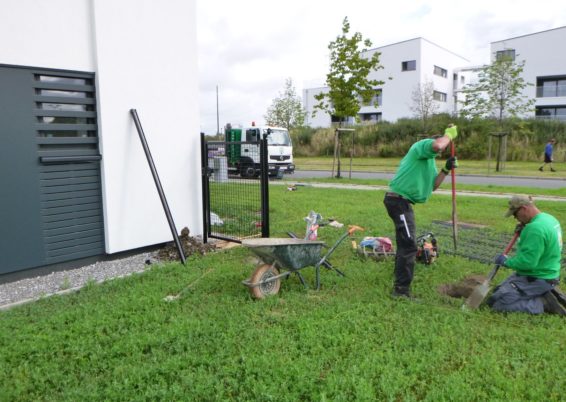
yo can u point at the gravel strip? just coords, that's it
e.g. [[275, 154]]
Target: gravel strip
[[29, 289]]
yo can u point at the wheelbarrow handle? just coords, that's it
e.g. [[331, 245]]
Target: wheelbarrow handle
[[354, 228]]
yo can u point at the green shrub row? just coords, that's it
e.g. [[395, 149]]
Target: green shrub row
[[477, 138]]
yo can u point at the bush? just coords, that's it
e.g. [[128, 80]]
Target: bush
[[525, 141]]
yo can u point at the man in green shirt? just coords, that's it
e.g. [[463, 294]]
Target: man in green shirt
[[536, 262], [415, 180]]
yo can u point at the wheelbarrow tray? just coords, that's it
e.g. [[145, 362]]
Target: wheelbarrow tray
[[288, 253]]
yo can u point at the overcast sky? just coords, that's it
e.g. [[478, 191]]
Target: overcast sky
[[249, 47]]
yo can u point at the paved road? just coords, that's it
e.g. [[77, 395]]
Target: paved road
[[463, 179]]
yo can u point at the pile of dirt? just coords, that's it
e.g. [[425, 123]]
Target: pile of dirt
[[464, 288], [189, 244]]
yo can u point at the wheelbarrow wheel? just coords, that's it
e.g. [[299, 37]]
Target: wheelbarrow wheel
[[259, 290]]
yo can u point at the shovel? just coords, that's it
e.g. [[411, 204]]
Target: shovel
[[481, 291]]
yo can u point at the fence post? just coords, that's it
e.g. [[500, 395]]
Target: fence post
[[205, 190], [264, 187]]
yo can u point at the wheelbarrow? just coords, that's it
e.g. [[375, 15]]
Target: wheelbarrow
[[290, 255]]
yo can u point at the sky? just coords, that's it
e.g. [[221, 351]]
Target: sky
[[248, 48]]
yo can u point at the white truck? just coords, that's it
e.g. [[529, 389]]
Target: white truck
[[244, 158]]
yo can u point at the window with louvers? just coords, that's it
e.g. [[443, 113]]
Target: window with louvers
[[69, 165]]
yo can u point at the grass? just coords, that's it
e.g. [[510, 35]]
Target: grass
[[349, 341], [480, 167]]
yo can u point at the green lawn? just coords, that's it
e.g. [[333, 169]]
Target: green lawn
[[349, 341], [465, 166]]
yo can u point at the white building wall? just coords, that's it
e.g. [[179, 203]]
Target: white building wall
[[143, 53], [53, 34], [434, 55], [397, 90], [146, 59], [544, 57], [320, 119]]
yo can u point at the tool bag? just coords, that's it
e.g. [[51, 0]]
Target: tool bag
[[427, 248]]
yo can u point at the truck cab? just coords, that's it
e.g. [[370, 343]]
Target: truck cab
[[245, 157], [279, 146]]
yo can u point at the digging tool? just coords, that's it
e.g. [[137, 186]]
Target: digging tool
[[481, 291], [454, 216]]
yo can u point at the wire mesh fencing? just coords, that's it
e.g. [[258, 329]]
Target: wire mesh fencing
[[474, 242]]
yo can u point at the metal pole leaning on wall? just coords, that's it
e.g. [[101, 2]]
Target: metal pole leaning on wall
[[134, 114]]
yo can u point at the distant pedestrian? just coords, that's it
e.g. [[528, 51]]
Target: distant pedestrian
[[548, 155]]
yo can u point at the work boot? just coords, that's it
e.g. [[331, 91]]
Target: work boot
[[541, 169], [402, 292], [551, 304], [552, 170]]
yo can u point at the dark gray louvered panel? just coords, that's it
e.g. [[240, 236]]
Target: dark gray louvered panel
[[69, 176]]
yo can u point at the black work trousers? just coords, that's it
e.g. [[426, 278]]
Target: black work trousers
[[401, 213]]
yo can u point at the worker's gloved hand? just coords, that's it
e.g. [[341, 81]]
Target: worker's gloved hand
[[451, 163], [451, 132], [500, 259], [519, 227]]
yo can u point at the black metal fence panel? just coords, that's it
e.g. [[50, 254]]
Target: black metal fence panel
[[235, 189]]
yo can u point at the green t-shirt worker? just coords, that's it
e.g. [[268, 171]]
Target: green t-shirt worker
[[415, 180], [536, 262]]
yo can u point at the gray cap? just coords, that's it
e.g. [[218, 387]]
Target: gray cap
[[516, 202]]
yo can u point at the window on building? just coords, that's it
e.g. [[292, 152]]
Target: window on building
[[439, 96], [410, 65], [441, 72], [505, 54], [65, 108], [375, 101], [551, 112], [551, 86], [370, 117]]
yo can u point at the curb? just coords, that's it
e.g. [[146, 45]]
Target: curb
[[443, 192]]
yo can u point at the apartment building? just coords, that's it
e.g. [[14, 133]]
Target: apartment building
[[414, 62], [545, 69]]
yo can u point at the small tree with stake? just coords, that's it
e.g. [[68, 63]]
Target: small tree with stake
[[347, 81], [498, 94]]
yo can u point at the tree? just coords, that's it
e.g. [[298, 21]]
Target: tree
[[424, 105], [498, 92], [286, 110], [348, 80]]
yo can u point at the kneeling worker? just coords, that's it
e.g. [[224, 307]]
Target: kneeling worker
[[536, 263]]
